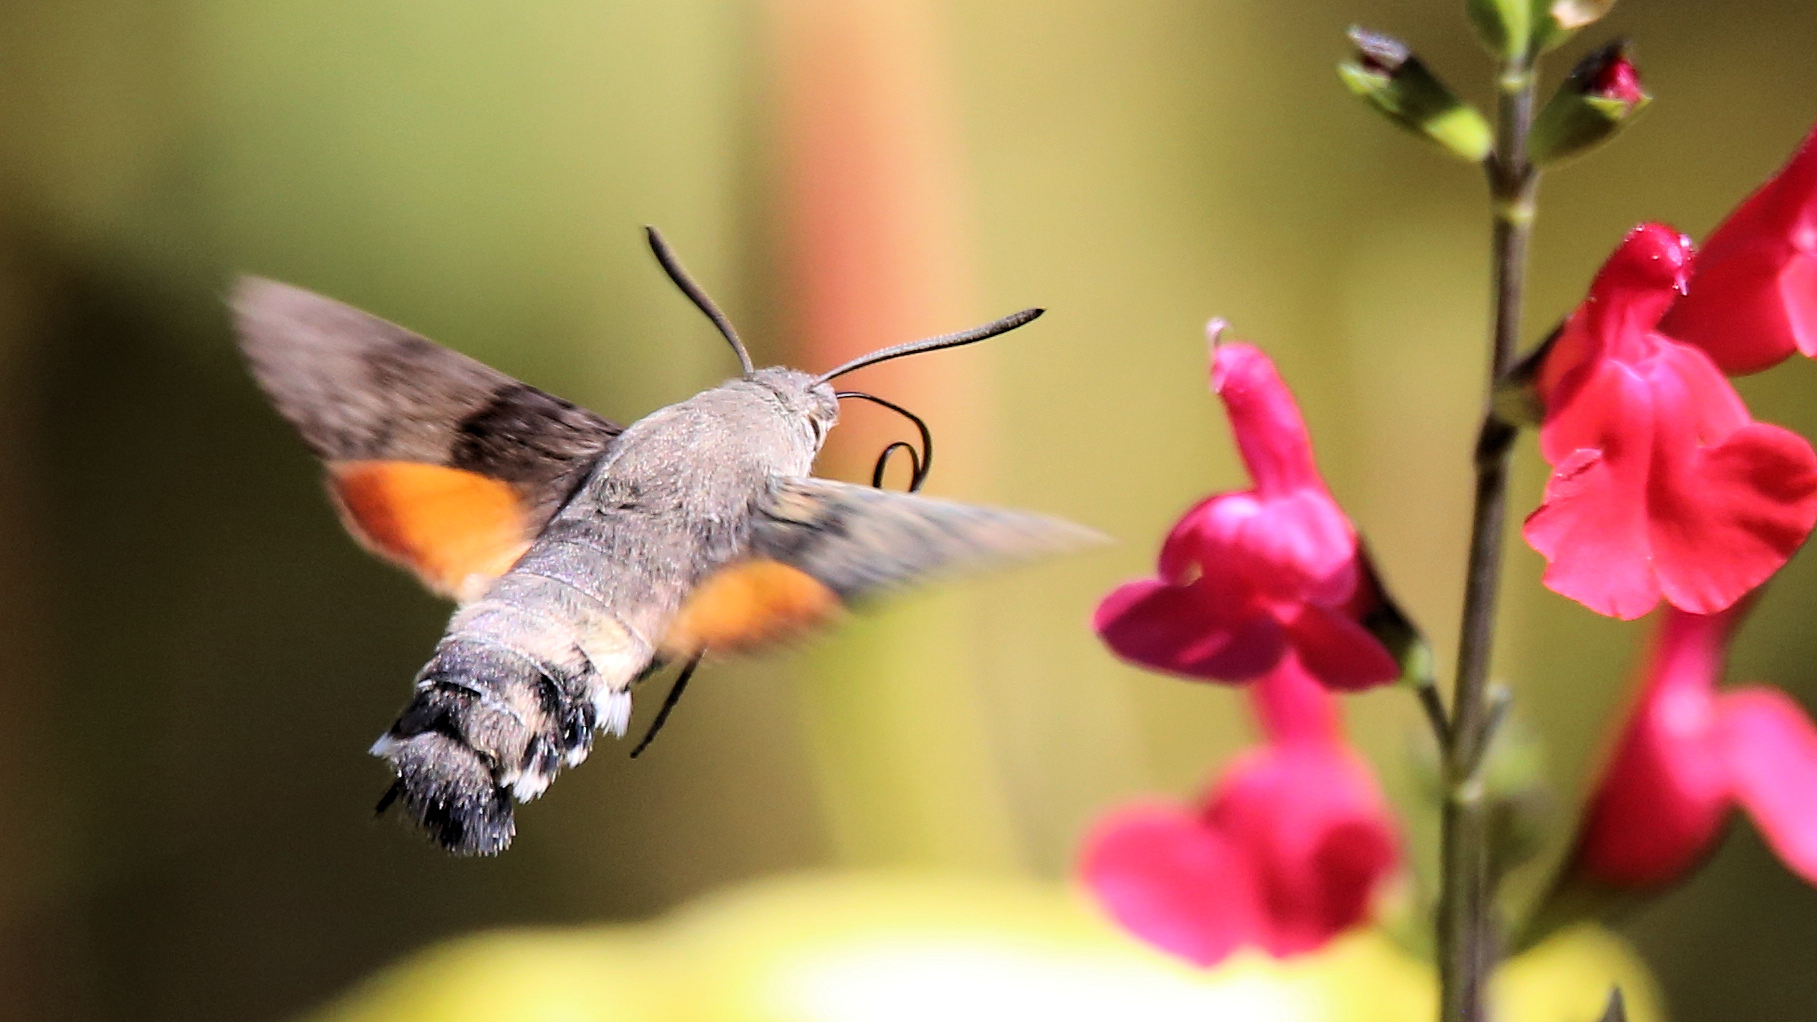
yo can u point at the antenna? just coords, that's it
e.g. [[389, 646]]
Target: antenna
[[975, 334], [672, 266]]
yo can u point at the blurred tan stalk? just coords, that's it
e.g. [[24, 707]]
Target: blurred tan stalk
[[869, 226]]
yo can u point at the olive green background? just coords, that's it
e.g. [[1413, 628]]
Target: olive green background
[[195, 658]]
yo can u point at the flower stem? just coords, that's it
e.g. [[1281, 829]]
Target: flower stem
[[1466, 950]]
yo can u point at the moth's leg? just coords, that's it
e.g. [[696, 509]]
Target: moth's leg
[[668, 704]]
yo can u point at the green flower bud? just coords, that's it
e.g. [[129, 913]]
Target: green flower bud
[[1601, 96], [1505, 25], [1390, 78]]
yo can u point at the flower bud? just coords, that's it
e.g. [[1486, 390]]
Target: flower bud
[[1505, 25], [1602, 95], [1390, 78], [1517, 29], [1555, 21]]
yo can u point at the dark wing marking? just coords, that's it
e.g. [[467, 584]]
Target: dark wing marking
[[862, 542], [373, 399]]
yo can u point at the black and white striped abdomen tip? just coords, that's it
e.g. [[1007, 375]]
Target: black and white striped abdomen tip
[[448, 789]]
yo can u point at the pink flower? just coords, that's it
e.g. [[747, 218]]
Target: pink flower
[[1753, 300], [1286, 851], [1247, 577], [1662, 484], [1688, 756]]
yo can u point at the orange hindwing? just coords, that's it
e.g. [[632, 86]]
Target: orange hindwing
[[458, 531], [748, 605]]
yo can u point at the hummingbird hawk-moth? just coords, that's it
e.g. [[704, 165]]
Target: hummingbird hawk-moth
[[585, 555]]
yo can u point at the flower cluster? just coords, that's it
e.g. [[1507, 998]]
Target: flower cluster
[[1663, 488]]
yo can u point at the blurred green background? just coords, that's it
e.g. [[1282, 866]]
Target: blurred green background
[[196, 658]]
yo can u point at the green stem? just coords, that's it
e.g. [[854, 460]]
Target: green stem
[[1466, 943]]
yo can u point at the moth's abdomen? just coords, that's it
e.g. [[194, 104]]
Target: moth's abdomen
[[513, 693], [483, 722]]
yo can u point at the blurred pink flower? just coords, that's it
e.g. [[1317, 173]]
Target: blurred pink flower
[[1688, 756], [1753, 299], [1246, 578], [1662, 484], [1285, 853]]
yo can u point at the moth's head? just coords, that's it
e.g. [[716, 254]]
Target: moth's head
[[803, 398], [812, 397]]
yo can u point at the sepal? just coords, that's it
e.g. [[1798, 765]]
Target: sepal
[[1387, 76], [1516, 398], [1383, 618]]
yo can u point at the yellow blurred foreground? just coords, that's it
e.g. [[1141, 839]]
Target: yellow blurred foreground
[[871, 948]]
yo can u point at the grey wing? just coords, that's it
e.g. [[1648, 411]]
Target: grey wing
[[359, 388], [863, 542], [435, 461]]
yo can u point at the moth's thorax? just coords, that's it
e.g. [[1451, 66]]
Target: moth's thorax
[[713, 452]]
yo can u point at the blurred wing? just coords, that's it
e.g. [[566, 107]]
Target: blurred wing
[[435, 461], [819, 545]]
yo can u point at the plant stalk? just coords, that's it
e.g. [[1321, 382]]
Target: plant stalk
[[1466, 940]]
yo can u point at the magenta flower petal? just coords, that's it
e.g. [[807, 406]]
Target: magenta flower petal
[[1752, 309], [1270, 432], [1288, 851], [1303, 548], [1730, 500], [1665, 793], [1181, 630], [1726, 517], [1688, 756], [1172, 881], [1771, 752], [1334, 648], [1293, 708], [1592, 524], [1309, 821], [1753, 299]]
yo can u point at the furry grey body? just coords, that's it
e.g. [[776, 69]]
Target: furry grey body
[[526, 673]]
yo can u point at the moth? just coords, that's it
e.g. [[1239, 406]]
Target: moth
[[584, 555]]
